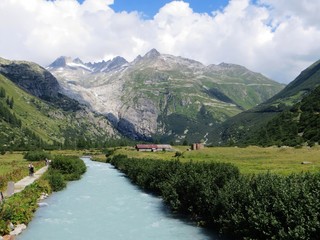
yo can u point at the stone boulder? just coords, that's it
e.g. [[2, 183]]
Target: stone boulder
[[18, 229]]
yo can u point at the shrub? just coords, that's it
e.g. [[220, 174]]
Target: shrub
[[20, 207], [264, 206], [108, 152], [186, 187], [178, 154], [37, 155], [56, 180], [271, 207], [3, 227], [70, 166]]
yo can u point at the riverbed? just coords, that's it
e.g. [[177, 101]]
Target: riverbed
[[104, 204]]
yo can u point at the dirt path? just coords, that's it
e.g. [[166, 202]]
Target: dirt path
[[20, 185]]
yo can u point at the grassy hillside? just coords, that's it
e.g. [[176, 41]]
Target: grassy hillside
[[30, 110], [241, 128], [300, 124], [188, 103]]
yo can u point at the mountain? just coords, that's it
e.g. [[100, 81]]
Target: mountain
[[298, 125], [37, 81], [251, 126], [33, 112], [163, 97], [30, 77], [78, 64]]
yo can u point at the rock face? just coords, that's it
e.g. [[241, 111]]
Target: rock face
[[31, 77], [161, 96]]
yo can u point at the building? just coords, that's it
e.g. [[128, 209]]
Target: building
[[197, 146], [153, 147]]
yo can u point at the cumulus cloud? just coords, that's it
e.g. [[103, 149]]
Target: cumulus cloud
[[269, 36]]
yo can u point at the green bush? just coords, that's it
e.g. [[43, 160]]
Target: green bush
[[37, 155], [265, 206], [70, 166], [186, 187], [56, 180], [64, 168], [3, 227], [108, 152], [20, 207], [271, 207]]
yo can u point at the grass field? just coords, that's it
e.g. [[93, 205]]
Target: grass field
[[14, 167], [11, 161], [250, 160]]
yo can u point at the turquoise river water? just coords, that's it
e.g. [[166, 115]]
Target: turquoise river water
[[103, 205]]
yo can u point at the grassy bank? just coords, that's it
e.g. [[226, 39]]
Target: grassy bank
[[20, 207], [249, 160]]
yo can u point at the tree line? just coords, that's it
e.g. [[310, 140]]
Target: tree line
[[216, 195]]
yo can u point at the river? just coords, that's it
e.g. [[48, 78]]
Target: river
[[103, 205]]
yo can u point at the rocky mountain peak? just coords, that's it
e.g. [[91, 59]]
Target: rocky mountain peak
[[77, 63], [60, 62], [137, 59], [119, 60], [230, 65], [106, 66], [78, 60], [153, 53]]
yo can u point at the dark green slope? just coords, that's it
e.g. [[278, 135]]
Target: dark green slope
[[241, 128], [300, 124], [304, 83], [37, 81]]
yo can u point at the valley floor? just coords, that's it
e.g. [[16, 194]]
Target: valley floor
[[250, 160]]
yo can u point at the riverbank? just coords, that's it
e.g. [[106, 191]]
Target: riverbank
[[263, 206], [16, 188], [19, 207]]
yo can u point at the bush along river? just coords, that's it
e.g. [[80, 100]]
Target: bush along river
[[104, 204]]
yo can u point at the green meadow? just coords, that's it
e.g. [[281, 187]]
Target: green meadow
[[250, 160], [9, 162], [13, 168]]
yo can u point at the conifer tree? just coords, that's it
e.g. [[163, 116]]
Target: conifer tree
[[2, 92]]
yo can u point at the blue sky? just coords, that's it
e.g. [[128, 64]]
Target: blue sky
[[149, 8], [278, 38]]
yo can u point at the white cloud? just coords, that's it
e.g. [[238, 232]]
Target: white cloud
[[274, 37]]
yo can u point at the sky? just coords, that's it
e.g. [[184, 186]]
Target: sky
[[278, 38]]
